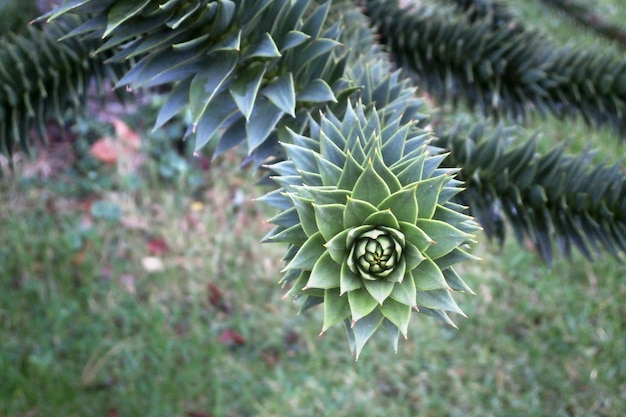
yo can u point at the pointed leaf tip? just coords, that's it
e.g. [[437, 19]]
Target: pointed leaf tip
[[370, 187], [282, 93], [364, 329]]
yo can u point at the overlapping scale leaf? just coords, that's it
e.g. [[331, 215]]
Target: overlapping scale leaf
[[368, 241]]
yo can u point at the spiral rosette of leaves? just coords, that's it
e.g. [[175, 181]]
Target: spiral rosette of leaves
[[372, 231]]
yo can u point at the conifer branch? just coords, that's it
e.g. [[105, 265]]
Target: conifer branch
[[372, 208], [509, 70], [238, 67], [42, 79], [550, 198]]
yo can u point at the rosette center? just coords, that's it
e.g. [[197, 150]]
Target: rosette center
[[375, 253]]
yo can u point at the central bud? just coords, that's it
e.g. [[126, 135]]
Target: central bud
[[374, 252]]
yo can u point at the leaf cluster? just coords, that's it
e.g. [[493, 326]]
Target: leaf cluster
[[372, 232]]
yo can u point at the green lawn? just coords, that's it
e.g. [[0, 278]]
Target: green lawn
[[89, 328], [147, 293]]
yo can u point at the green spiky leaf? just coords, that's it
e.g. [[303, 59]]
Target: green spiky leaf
[[206, 84], [308, 255], [361, 303], [370, 187], [397, 313], [336, 309], [325, 273], [427, 276], [245, 88], [364, 329], [329, 219], [282, 93], [445, 237], [403, 204]]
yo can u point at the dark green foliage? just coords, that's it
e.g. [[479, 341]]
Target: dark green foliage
[[507, 70], [16, 14], [43, 79], [549, 198], [242, 67]]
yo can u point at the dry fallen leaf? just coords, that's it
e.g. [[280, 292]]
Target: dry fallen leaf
[[124, 149], [158, 246], [126, 135], [104, 150], [232, 338], [216, 298]]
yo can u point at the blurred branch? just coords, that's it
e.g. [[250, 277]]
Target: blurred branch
[[587, 17]]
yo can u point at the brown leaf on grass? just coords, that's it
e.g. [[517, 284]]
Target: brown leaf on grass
[[104, 150], [124, 150], [232, 338], [158, 246], [85, 204], [126, 135], [79, 258], [271, 356], [217, 300], [291, 338], [113, 412], [129, 148]]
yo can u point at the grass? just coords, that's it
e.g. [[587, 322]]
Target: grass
[[561, 28], [87, 330], [165, 304]]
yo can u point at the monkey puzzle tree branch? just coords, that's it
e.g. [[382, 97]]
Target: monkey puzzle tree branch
[[551, 198], [42, 79], [239, 67], [504, 71]]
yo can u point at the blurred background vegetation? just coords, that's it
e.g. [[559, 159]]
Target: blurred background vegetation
[[132, 283], [16, 15]]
